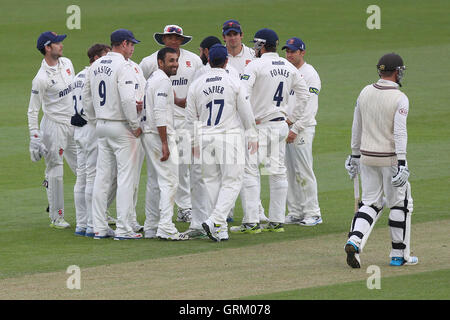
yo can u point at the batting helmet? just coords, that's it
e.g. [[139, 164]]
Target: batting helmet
[[390, 62], [265, 37]]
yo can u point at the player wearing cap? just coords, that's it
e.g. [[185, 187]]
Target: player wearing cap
[[379, 139], [302, 201], [216, 105], [110, 97], [86, 143], [268, 81], [239, 55], [188, 64], [51, 89], [161, 149]]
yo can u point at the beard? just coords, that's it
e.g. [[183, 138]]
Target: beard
[[204, 59]]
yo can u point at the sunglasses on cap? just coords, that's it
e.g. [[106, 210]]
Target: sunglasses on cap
[[174, 29], [232, 25]]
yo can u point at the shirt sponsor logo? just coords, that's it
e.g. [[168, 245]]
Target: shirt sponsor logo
[[161, 94], [314, 90], [245, 77], [106, 61], [66, 91], [216, 78], [278, 63], [180, 82]]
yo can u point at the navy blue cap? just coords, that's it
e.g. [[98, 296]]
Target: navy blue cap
[[231, 25], [294, 44], [123, 34], [218, 53], [208, 42], [48, 37], [267, 36]]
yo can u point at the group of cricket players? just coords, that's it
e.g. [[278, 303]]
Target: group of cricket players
[[209, 126]]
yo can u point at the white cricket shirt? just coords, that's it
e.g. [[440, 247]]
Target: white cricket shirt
[[242, 59], [52, 89]]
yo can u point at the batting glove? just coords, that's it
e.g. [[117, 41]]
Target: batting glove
[[352, 166], [401, 178], [37, 148]]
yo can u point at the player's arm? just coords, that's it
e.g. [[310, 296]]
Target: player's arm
[[302, 96], [245, 112], [356, 131], [400, 132], [86, 94], [248, 78], [192, 118], [37, 93], [148, 67], [160, 99], [126, 86]]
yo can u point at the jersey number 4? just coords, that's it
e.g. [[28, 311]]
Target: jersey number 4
[[278, 97], [219, 102]]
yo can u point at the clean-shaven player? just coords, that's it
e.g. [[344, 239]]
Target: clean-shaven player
[[173, 37], [161, 149], [217, 104], [302, 201], [109, 96], [268, 81], [52, 90], [379, 140], [239, 56]]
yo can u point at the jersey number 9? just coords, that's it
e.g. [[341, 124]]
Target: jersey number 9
[[102, 92]]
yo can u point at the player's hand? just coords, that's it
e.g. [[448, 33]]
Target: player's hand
[[401, 178], [139, 106], [352, 166], [137, 132], [291, 137], [179, 102], [37, 148], [289, 122], [165, 152], [253, 147], [196, 152]]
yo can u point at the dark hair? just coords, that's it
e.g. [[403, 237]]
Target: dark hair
[[118, 43], [217, 63], [270, 48], [163, 52], [42, 51], [96, 50], [386, 73]]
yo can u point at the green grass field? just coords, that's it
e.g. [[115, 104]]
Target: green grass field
[[344, 52]]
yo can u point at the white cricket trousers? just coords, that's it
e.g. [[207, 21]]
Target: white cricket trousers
[[302, 200], [376, 182], [58, 139], [162, 183], [117, 150], [183, 195], [86, 143], [271, 152], [223, 163]]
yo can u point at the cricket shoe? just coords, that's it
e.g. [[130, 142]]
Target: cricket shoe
[[311, 221], [150, 234], [400, 261], [292, 219], [129, 236], [80, 231], [223, 233], [250, 228], [272, 227], [104, 234], [184, 215], [352, 251], [212, 230], [89, 232], [60, 223], [137, 227], [175, 236], [190, 234]]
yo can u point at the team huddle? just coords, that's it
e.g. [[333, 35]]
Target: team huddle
[[209, 126]]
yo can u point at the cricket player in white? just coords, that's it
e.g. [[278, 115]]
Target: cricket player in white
[[217, 103], [189, 63], [239, 56], [109, 96], [51, 89], [379, 139], [161, 149], [302, 200], [269, 81]]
